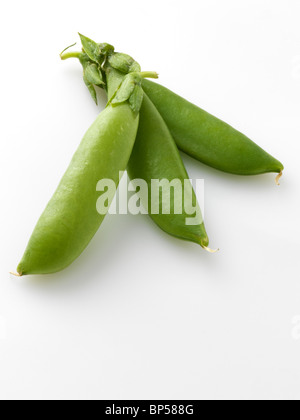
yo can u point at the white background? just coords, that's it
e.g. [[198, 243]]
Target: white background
[[141, 315]]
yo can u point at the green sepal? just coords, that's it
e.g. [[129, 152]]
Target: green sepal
[[84, 60], [125, 90], [130, 90], [136, 99], [91, 89], [124, 63], [106, 49], [93, 75], [91, 48]]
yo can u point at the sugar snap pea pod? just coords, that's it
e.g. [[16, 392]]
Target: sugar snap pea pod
[[155, 156], [208, 139], [71, 218]]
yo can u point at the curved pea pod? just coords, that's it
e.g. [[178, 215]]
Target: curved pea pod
[[71, 219], [155, 156], [208, 139]]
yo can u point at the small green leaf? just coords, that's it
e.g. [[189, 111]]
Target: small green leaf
[[91, 48], [85, 60], [93, 75], [125, 90], [91, 89], [123, 63], [136, 99]]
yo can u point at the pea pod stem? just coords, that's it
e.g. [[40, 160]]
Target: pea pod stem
[[149, 75], [65, 56]]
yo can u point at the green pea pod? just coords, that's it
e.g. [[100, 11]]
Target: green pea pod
[[208, 139], [155, 156], [71, 218]]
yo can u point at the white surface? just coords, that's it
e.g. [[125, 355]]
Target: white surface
[[140, 314]]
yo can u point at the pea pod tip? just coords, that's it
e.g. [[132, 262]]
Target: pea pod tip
[[278, 178], [211, 251], [15, 274]]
